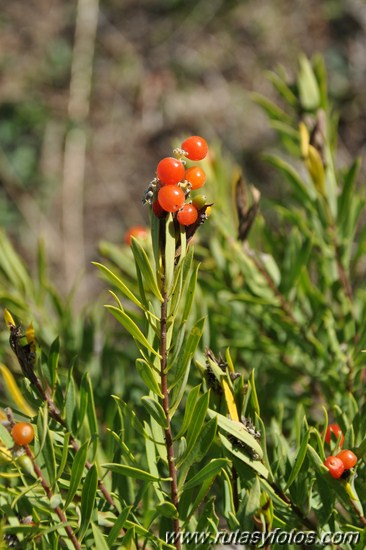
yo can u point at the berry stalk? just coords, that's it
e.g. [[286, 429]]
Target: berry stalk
[[165, 403]]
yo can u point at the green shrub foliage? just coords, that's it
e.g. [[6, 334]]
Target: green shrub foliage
[[202, 403]]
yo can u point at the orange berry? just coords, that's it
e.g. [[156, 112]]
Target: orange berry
[[171, 198], [22, 433], [348, 458], [196, 177], [170, 171], [187, 215], [333, 432], [335, 466], [195, 147], [137, 231]]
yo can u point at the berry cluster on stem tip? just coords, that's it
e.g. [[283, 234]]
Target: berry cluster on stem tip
[[344, 460], [170, 190]]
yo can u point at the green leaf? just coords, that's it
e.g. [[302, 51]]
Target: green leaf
[[131, 327], [169, 254], [5, 436], [253, 394], [271, 109], [130, 416], [209, 471], [48, 454], [255, 465], [53, 360], [201, 448], [83, 403], [77, 471], [152, 461], [13, 267], [198, 418], [156, 224], [154, 409], [189, 295], [188, 410], [131, 471], [100, 540], [116, 281], [282, 88], [148, 376], [166, 509], [90, 409], [70, 402], [237, 430], [65, 452], [87, 499], [144, 267], [302, 192], [308, 86], [118, 525], [299, 460], [182, 371]]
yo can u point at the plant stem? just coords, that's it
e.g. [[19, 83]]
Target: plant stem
[[47, 489], [165, 403], [304, 520]]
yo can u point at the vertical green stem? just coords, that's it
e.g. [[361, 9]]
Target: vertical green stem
[[165, 403]]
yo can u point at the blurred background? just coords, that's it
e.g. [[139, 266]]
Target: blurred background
[[93, 94]]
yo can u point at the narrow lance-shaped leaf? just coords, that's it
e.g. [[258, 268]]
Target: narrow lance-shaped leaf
[[147, 373], [65, 452], [255, 465], [237, 430], [48, 454], [99, 539], [299, 460], [189, 294], [119, 524], [116, 281], [207, 472], [197, 421], [15, 393], [131, 471], [77, 471], [308, 86], [143, 264], [87, 499], [155, 410], [188, 410], [131, 327], [200, 449], [169, 253], [53, 360]]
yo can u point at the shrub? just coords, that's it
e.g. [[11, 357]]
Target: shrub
[[215, 422]]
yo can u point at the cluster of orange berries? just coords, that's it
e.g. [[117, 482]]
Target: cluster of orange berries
[[171, 187], [344, 460]]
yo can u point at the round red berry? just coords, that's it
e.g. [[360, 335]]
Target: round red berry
[[348, 458], [195, 147], [196, 177], [171, 198], [335, 466], [170, 171], [333, 433], [158, 210], [187, 215], [22, 433], [137, 231]]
